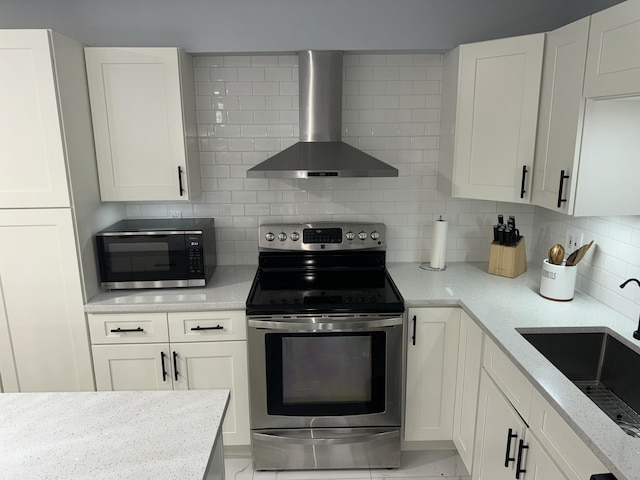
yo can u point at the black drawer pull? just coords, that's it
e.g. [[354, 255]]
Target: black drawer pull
[[124, 330], [217, 327], [175, 365], [519, 469], [164, 368], [507, 457], [413, 337]]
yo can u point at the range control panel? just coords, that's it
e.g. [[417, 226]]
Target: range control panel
[[322, 236]]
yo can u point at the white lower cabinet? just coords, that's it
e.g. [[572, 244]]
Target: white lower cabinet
[[432, 356], [467, 385], [136, 352], [502, 451], [518, 434]]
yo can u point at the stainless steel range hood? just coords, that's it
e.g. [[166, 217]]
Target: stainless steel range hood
[[320, 152]]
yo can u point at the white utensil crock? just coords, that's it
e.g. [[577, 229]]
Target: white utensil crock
[[558, 282]]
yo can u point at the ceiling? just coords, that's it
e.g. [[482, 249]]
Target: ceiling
[[225, 26]]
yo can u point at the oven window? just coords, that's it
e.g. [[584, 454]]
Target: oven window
[[325, 374]]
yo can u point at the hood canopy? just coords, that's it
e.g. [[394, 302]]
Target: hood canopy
[[320, 152]]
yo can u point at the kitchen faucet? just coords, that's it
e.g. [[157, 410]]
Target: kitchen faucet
[[636, 334]]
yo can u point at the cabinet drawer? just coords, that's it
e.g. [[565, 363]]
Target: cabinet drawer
[[128, 328], [567, 449], [511, 381], [207, 326]]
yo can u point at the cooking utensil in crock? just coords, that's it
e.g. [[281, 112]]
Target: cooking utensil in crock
[[556, 254], [578, 255]]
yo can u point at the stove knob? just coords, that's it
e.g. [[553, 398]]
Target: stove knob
[[350, 235], [270, 237], [362, 235], [282, 236], [295, 236], [375, 235]]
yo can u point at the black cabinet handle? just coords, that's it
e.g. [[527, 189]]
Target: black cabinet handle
[[507, 456], [524, 176], [217, 327], [164, 368], [122, 330], [519, 469], [175, 366], [180, 180], [413, 337], [563, 177]]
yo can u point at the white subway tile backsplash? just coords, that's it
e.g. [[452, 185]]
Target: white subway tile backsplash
[[248, 110]]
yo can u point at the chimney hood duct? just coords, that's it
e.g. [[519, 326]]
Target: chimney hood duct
[[320, 152]]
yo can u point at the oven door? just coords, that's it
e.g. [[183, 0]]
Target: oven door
[[325, 372], [142, 260]]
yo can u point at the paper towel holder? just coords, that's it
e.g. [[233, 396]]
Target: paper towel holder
[[429, 265]]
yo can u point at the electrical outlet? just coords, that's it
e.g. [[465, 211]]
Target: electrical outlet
[[574, 239], [175, 214]]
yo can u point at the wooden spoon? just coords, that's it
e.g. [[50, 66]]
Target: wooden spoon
[[556, 254], [578, 255]]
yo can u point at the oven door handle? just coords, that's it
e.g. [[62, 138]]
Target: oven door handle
[[283, 437], [325, 325]]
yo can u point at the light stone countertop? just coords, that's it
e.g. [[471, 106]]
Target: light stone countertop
[[167, 435], [227, 290], [500, 306]]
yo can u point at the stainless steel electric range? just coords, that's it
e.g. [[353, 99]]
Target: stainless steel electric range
[[325, 340]]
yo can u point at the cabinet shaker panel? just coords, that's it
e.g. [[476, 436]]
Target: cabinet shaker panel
[[33, 158]]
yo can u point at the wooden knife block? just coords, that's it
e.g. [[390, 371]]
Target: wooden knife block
[[508, 261]]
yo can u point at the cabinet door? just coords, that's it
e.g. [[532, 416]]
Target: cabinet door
[[432, 355], [497, 112], [613, 63], [537, 463], [498, 430], [467, 385], [137, 112], [32, 161], [44, 342], [560, 119], [217, 365], [132, 367]]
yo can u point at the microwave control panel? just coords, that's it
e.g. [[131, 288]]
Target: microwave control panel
[[195, 261]]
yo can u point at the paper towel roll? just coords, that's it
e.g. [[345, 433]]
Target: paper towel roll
[[439, 243]]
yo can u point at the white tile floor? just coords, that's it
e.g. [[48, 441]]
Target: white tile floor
[[443, 464]]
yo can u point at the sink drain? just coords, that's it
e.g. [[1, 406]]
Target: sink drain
[[618, 411]]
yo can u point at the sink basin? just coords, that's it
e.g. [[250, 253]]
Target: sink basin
[[604, 368]]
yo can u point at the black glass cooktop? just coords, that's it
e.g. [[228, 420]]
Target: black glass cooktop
[[323, 287]]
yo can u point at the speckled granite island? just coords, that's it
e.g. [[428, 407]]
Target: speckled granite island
[[499, 305], [174, 435]]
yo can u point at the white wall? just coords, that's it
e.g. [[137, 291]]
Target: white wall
[[248, 110], [291, 25]]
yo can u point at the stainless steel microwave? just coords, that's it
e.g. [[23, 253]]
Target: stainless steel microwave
[[157, 253]]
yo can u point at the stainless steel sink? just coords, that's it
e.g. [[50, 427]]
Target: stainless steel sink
[[604, 368]]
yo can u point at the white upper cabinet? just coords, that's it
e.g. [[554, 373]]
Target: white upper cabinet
[[143, 110], [33, 153], [613, 61], [586, 149], [489, 116], [560, 120]]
